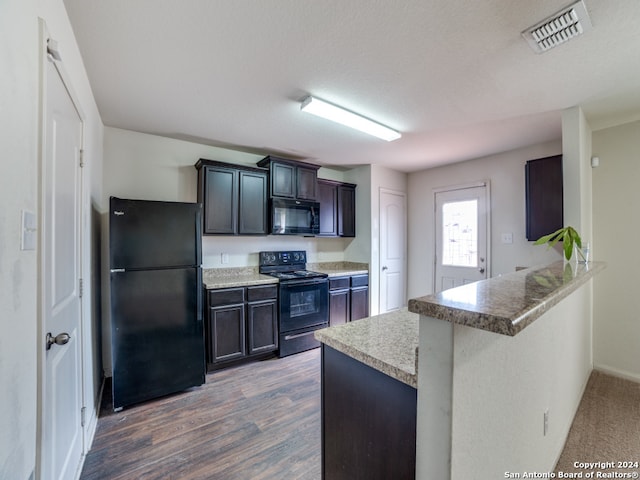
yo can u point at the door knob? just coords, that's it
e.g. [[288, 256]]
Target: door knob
[[384, 268], [60, 339], [481, 269]]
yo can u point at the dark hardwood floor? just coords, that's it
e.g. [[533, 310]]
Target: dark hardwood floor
[[257, 421]]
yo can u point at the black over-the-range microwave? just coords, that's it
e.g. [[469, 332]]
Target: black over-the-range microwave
[[294, 217]]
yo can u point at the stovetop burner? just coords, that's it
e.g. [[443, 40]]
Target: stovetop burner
[[297, 274], [287, 265]]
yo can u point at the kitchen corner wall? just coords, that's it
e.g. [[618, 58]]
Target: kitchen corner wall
[[505, 172]]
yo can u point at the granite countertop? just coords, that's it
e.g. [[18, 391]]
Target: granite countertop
[[387, 343], [508, 303], [248, 276], [339, 269], [234, 277]]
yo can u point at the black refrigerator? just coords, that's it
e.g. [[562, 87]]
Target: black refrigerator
[[157, 342]]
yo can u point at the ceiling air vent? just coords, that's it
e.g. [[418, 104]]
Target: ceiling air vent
[[568, 23]]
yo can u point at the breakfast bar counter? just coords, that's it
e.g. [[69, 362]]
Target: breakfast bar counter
[[507, 304], [427, 384]]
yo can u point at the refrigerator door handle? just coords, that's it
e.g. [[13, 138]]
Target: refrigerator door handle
[[199, 296], [199, 234], [117, 270]]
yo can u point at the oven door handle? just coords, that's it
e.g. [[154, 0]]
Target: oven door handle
[[302, 283], [298, 335]]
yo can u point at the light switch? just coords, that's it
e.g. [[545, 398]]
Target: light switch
[[507, 238], [224, 258], [29, 231]]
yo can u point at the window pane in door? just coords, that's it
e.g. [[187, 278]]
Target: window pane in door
[[460, 234]]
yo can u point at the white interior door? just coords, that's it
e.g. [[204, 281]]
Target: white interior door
[[461, 236], [393, 255], [61, 400]]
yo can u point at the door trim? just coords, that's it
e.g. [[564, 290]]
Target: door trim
[[452, 188], [89, 427]]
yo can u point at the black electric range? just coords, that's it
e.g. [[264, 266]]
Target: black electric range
[[303, 299]]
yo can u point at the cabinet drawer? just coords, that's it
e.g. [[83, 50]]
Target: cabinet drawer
[[338, 283], [267, 292], [360, 280], [226, 296]]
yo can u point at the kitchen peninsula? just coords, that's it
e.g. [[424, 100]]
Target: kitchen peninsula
[[482, 392]]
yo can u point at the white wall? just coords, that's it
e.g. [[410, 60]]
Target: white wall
[[616, 201], [18, 269], [19, 169], [505, 173], [503, 385]]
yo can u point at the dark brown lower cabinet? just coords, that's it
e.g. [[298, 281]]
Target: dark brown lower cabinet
[[359, 297], [348, 299], [228, 340], [263, 333], [368, 422], [242, 322]]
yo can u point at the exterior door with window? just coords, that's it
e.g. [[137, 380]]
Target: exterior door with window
[[461, 236]]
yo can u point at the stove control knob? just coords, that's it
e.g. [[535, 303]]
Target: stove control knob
[[296, 256], [272, 258]]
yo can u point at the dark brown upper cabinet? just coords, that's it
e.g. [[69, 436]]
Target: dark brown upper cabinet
[[337, 208], [544, 201], [234, 198], [291, 179]]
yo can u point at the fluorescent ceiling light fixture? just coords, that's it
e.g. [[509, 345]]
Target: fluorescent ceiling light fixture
[[560, 27], [345, 117]]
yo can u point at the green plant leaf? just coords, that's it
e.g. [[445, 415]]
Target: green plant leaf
[[569, 237], [567, 245], [576, 237], [547, 238]]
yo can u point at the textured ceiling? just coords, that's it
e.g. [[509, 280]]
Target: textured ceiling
[[454, 76]]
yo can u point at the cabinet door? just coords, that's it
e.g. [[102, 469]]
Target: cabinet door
[[221, 201], [226, 333], [346, 211], [338, 307], [359, 303], [328, 198], [543, 187], [252, 215], [263, 326], [283, 180], [307, 183]]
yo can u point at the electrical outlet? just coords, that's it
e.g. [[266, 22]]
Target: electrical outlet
[[507, 238], [546, 422], [224, 258]]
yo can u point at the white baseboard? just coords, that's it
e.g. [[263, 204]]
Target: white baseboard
[[92, 421], [634, 377], [89, 430]]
